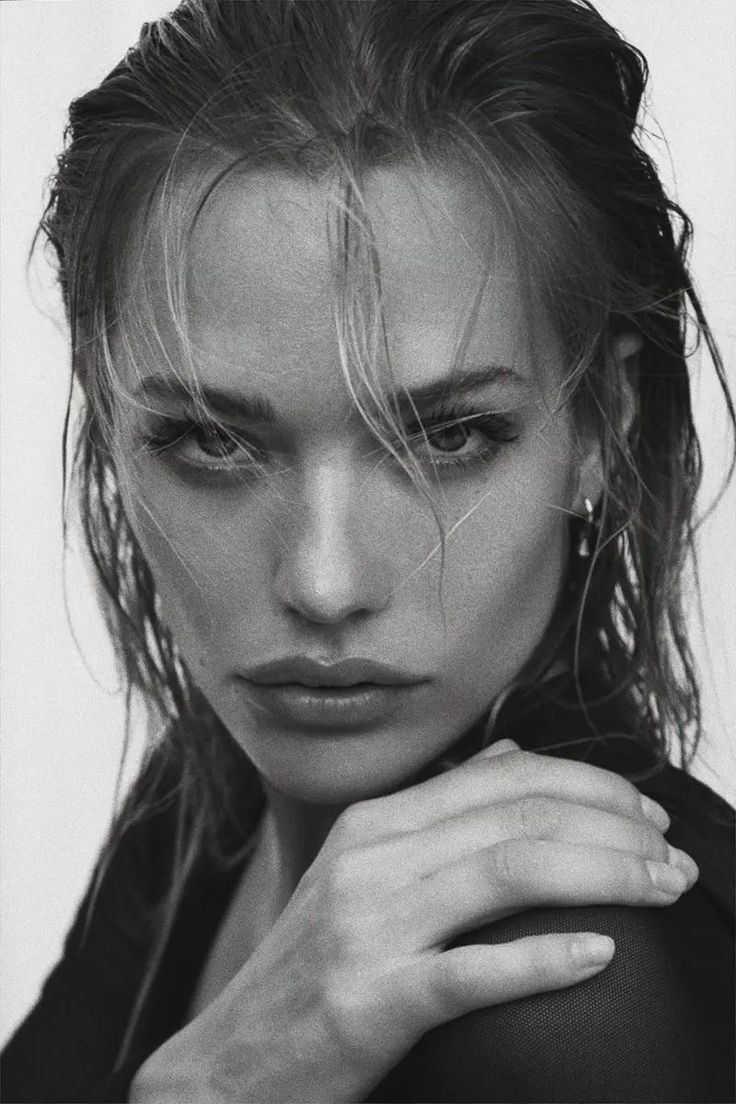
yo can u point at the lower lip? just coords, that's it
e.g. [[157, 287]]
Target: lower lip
[[340, 707]]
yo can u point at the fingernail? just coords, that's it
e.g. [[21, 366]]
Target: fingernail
[[654, 812], [683, 862], [667, 879], [592, 950], [502, 746]]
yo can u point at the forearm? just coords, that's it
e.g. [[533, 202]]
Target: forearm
[[275, 1055]]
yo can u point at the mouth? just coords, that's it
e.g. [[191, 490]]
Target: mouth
[[323, 674], [350, 695]]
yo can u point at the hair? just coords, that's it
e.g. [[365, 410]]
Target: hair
[[540, 99]]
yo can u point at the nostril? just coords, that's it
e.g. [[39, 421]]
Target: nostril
[[326, 588]]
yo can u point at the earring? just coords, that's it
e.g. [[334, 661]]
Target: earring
[[588, 526]]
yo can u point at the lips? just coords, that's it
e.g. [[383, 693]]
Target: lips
[[316, 673], [310, 695]]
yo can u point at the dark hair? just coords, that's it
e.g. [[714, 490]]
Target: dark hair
[[541, 99]]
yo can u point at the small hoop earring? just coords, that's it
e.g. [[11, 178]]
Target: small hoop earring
[[587, 530]]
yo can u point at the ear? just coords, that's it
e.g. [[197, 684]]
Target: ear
[[624, 350]]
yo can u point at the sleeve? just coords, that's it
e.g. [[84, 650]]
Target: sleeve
[[656, 1025], [66, 1048]]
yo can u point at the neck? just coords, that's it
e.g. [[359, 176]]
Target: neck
[[292, 833]]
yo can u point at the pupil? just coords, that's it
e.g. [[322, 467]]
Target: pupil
[[214, 442], [451, 439]]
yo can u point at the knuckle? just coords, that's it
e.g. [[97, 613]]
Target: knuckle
[[350, 824], [343, 1006], [449, 980], [626, 792], [355, 1006], [651, 843], [640, 881], [621, 793], [518, 763], [527, 814], [633, 878], [351, 829], [503, 863]]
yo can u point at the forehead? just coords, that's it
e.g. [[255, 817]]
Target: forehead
[[271, 254]]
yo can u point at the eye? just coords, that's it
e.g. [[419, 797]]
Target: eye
[[453, 437], [205, 446], [449, 438], [214, 441]]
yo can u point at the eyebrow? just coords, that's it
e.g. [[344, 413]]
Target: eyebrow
[[224, 403], [234, 404], [460, 383]]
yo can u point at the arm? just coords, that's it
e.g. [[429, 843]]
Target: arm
[[350, 978], [657, 1025], [66, 1047]]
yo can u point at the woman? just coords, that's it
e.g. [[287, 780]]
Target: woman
[[387, 470]]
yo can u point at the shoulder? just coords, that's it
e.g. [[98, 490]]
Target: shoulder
[[67, 1045], [656, 1025]]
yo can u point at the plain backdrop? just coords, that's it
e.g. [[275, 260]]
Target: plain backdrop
[[61, 712]]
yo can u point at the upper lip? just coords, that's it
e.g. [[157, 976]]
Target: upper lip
[[312, 672]]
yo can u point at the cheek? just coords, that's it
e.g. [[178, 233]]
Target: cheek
[[503, 576], [205, 566]]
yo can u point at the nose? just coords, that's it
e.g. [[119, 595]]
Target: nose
[[330, 567]]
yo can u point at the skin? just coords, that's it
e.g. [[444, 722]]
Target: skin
[[329, 550]]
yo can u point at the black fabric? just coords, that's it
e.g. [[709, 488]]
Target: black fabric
[[656, 1025]]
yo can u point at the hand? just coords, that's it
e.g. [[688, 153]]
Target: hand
[[355, 970]]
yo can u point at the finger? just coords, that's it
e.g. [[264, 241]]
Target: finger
[[537, 817], [519, 874], [490, 779], [651, 809], [466, 978]]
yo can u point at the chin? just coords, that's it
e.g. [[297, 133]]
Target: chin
[[338, 769]]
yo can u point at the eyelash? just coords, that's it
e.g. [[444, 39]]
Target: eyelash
[[170, 434], [495, 428]]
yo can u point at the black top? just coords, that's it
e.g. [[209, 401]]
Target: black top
[[656, 1025]]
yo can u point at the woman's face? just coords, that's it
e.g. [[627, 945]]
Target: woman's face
[[294, 534]]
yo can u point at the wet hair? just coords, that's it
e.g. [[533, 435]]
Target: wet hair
[[540, 101]]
